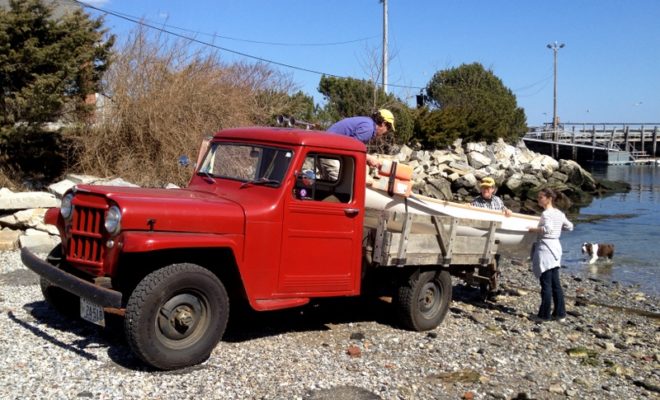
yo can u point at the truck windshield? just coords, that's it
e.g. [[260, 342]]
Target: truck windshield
[[246, 163]]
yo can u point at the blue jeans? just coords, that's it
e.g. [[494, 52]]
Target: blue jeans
[[551, 291]]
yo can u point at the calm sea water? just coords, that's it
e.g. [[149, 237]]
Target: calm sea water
[[636, 237]]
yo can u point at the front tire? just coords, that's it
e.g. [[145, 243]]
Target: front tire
[[176, 316], [423, 301]]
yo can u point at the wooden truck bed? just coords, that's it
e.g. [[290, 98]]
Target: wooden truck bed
[[405, 239]]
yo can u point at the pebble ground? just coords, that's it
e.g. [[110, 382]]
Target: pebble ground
[[351, 349]]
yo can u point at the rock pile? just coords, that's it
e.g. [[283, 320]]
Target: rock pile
[[22, 214], [454, 174]]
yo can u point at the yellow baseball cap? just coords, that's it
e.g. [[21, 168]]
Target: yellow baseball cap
[[487, 182], [387, 116]]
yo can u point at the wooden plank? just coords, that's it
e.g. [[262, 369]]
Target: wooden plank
[[422, 223], [440, 234], [435, 259], [429, 244], [403, 240], [490, 243]]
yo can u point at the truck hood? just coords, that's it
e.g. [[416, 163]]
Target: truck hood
[[172, 210]]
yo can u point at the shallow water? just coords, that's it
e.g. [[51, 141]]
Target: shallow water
[[636, 237]]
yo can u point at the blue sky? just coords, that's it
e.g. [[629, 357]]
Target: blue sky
[[609, 70]]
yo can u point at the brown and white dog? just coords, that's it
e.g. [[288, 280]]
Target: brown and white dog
[[595, 250]]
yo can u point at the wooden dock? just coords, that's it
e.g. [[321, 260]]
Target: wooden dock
[[608, 143]]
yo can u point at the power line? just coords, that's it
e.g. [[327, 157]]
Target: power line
[[142, 22], [215, 35], [531, 85], [282, 44], [239, 53]]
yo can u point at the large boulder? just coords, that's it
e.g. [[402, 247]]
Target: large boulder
[[558, 176], [404, 153], [421, 156], [31, 218], [607, 186], [577, 176], [578, 196], [467, 181], [478, 147], [477, 160], [21, 201], [438, 188], [514, 184], [9, 239], [38, 242]]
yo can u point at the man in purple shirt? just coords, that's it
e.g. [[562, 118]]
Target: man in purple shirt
[[365, 128]]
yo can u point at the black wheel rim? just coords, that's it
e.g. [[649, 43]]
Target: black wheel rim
[[430, 299], [182, 320]]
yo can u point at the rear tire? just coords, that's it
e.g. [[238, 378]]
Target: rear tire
[[176, 316], [422, 302]]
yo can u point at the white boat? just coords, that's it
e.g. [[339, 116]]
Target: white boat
[[513, 234]]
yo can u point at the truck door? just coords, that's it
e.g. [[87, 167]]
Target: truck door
[[321, 251]]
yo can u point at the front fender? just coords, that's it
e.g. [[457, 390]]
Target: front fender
[[138, 242]]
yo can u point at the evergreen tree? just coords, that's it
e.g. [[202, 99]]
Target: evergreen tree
[[472, 101], [48, 65]]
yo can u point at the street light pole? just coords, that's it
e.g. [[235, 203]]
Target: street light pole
[[555, 134], [555, 47]]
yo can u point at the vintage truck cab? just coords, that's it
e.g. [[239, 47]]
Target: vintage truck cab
[[260, 221]]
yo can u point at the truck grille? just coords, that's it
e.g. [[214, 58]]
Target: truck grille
[[85, 242]]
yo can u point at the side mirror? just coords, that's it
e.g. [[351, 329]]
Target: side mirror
[[184, 161]]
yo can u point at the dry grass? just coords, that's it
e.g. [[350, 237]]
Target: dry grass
[[163, 99], [6, 181]]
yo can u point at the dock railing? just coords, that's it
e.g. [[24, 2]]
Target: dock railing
[[640, 141]]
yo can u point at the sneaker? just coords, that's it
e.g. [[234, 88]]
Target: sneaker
[[560, 319]]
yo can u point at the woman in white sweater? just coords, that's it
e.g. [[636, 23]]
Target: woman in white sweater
[[546, 256]]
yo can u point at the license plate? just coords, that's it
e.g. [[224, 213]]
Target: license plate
[[91, 312]]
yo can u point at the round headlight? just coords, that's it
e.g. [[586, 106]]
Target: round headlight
[[66, 208], [113, 220]]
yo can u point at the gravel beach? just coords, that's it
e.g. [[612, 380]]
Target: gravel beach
[[608, 347]]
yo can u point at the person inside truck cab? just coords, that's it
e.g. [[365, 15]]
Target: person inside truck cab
[[362, 129], [304, 190]]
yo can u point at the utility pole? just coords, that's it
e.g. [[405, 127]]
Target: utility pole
[[384, 45]]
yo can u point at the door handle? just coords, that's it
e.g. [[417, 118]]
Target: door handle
[[351, 211]]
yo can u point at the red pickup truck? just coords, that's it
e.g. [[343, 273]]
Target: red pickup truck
[[259, 222]]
